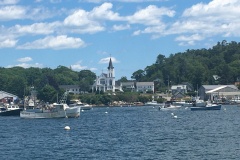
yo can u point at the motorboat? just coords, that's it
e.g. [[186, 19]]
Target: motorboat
[[84, 106], [153, 103], [10, 110], [183, 103], [170, 107], [208, 106], [196, 101]]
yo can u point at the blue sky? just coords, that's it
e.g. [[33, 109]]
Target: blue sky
[[83, 34]]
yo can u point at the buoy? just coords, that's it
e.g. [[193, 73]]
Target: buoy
[[67, 128], [82, 110], [106, 112], [172, 114], [175, 116]]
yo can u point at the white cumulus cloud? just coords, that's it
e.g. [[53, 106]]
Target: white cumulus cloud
[[24, 59], [107, 59], [59, 42]]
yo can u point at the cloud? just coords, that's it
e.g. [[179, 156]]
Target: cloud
[[59, 42], [151, 15], [83, 21], [15, 12], [7, 43], [36, 28], [125, 1], [121, 27], [78, 67], [107, 59], [194, 37], [7, 2], [25, 59], [26, 65], [55, 1], [215, 18], [12, 12]]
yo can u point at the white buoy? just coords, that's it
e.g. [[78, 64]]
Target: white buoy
[[67, 128], [82, 110], [106, 112], [174, 116]]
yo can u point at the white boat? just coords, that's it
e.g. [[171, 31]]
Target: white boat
[[183, 103], [236, 99], [153, 103], [58, 112], [77, 103], [170, 107], [73, 112], [196, 101]]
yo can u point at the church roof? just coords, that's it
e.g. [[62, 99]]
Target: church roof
[[110, 66]]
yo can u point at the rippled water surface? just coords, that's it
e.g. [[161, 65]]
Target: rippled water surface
[[125, 133]]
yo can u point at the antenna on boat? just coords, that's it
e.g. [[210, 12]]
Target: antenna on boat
[[64, 98]]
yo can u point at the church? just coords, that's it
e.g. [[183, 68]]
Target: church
[[106, 81]]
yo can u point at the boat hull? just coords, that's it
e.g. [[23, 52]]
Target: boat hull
[[213, 107], [172, 107], [73, 112], [50, 114], [15, 112]]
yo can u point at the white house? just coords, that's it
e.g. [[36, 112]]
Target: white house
[[75, 89], [145, 87]]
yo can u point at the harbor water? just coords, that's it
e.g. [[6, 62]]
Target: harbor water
[[122, 133]]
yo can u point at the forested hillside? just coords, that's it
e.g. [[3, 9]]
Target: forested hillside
[[195, 66], [46, 81]]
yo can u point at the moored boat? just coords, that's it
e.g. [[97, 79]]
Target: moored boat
[[170, 107], [208, 106], [57, 112], [77, 103], [10, 110], [153, 103]]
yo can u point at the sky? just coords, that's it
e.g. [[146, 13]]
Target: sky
[[84, 34]]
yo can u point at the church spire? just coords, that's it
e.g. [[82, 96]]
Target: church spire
[[110, 66]]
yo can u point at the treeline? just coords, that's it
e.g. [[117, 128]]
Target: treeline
[[196, 67], [46, 81]]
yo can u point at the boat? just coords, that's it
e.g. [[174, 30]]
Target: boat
[[71, 112], [208, 106], [153, 103], [77, 103], [56, 110], [183, 103], [235, 99], [59, 111], [196, 101], [169, 106], [10, 110]]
